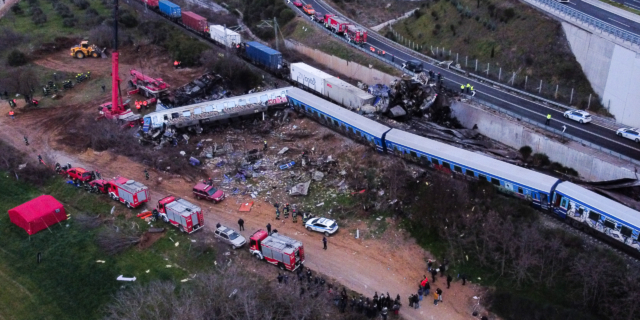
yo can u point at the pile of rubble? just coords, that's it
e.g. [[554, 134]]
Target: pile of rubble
[[209, 86], [405, 97]]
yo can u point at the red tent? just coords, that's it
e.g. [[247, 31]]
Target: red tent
[[37, 214]]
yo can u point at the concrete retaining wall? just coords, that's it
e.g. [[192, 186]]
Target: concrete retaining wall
[[351, 69], [612, 70], [590, 164]]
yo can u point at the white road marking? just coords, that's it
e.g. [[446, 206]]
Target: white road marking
[[634, 6], [614, 20]]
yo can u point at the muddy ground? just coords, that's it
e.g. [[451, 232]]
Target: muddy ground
[[389, 261]]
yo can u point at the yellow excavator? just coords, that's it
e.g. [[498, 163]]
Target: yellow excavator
[[85, 50]]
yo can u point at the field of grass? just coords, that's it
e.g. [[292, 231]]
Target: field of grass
[[69, 283], [507, 35]]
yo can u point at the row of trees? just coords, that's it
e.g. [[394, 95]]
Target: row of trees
[[504, 240]]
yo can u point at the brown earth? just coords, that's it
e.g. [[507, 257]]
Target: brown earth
[[391, 262]]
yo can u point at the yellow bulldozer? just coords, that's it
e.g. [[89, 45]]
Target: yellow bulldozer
[[85, 50]]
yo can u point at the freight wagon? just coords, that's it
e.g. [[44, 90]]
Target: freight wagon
[[262, 55], [224, 36], [169, 9], [346, 94], [151, 3], [195, 22], [309, 77]]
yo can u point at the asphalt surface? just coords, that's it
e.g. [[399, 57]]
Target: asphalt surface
[[607, 16], [594, 133]]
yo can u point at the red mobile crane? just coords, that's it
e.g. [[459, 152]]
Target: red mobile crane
[[116, 109]]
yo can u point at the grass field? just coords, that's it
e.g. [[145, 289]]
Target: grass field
[[69, 283]]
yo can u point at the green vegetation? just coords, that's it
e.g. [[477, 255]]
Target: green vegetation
[[621, 6], [69, 283], [509, 36], [256, 11]]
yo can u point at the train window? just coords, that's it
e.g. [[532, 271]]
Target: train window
[[264, 98], [469, 173], [335, 123], [166, 117], [495, 181], [609, 224], [435, 161], [446, 165], [186, 113], [625, 231], [253, 100], [225, 105], [581, 210], [520, 191], [482, 177], [242, 102], [564, 202], [175, 115], [457, 169], [413, 153], [594, 216], [232, 104], [357, 132], [208, 109], [317, 114], [197, 111]]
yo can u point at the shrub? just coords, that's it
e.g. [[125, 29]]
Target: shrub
[[33, 3], [128, 20], [16, 58], [417, 14], [35, 11], [525, 151], [16, 9], [39, 19], [541, 160], [69, 22], [556, 166], [81, 4], [509, 13], [286, 15]]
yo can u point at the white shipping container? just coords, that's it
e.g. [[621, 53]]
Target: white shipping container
[[218, 32], [346, 94], [309, 77]]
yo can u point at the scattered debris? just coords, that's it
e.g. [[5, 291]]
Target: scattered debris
[[300, 189], [246, 207], [122, 278], [283, 150], [317, 176]]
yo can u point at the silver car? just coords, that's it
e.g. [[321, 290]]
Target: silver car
[[323, 225], [230, 236]]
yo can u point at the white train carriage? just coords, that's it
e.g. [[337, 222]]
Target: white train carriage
[[349, 123], [587, 209], [217, 110], [520, 182]]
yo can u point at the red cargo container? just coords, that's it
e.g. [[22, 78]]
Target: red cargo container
[[195, 22], [338, 25], [151, 3], [356, 34]]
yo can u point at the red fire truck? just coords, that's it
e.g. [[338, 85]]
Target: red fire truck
[[129, 192], [284, 252], [180, 213], [337, 25], [356, 34]]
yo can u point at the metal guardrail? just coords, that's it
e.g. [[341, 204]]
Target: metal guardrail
[[585, 18], [558, 132]]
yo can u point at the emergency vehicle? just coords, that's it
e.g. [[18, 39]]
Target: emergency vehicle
[[180, 213], [129, 192], [208, 191], [279, 250], [79, 173]]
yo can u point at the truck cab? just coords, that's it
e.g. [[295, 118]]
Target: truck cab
[[207, 191], [180, 213], [284, 252]]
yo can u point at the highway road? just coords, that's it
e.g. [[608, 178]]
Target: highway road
[[607, 16], [594, 133]]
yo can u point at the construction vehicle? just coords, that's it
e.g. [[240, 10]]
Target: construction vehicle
[[147, 86], [279, 250], [180, 213], [129, 192], [85, 50], [116, 109], [308, 9]]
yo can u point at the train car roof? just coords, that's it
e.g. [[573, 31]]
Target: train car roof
[[262, 47], [479, 162], [220, 102], [335, 111], [601, 203]]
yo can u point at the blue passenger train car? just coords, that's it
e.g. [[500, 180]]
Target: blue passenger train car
[[338, 118]]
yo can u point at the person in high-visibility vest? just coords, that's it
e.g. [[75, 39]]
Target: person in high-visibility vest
[[548, 119], [138, 105], [144, 103], [11, 114], [176, 64], [473, 92], [462, 88], [468, 87]]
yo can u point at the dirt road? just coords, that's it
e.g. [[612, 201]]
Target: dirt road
[[392, 262]]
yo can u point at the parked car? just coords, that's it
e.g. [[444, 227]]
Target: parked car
[[230, 236], [297, 4], [324, 225], [208, 192], [80, 173], [578, 115], [414, 66], [97, 186], [629, 133]]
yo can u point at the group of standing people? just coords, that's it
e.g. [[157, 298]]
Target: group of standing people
[[424, 288], [381, 305]]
